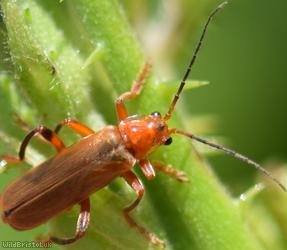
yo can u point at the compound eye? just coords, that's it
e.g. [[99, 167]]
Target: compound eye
[[156, 114], [168, 141]]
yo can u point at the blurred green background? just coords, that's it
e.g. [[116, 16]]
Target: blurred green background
[[244, 58]]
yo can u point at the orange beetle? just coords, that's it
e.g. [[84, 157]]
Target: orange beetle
[[76, 172]]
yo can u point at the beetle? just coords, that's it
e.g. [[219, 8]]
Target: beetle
[[90, 164]]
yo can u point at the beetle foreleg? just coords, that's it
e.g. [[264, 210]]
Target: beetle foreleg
[[135, 91], [82, 225], [46, 133], [177, 174], [138, 187], [76, 126], [147, 169]]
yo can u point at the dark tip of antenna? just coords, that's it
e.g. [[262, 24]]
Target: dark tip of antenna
[[282, 187], [222, 4]]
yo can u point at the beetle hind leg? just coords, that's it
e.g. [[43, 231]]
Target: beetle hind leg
[[82, 226], [138, 187], [46, 133]]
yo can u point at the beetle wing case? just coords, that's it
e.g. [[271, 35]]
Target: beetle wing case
[[65, 179]]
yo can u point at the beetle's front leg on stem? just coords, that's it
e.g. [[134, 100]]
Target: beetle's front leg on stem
[[138, 187], [147, 169], [168, 170], [135, 91]]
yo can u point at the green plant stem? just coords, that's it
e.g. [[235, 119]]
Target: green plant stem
[[201, 215]]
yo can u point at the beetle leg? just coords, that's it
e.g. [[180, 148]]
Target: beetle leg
[[76, 126], [135, 91], [82, 225], [46, 133], [147, 169], [167, 169], [11, 159], [138, 187]]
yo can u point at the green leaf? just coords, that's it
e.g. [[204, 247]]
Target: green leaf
[[170, 87]]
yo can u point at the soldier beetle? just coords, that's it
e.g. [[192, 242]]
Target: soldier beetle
[[76, 172]]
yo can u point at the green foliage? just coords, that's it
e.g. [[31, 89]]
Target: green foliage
[[70, 59]]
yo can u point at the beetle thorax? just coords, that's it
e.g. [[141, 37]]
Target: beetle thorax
[[141, 135]]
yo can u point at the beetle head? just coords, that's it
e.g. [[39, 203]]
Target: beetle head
[[141, 135]]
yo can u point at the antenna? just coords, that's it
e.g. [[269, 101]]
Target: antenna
[[176, 97], [233, 153]]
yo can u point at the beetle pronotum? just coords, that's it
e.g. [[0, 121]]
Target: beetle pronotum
[[75, 172]]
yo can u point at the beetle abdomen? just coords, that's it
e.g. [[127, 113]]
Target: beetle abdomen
[[65, 179]]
